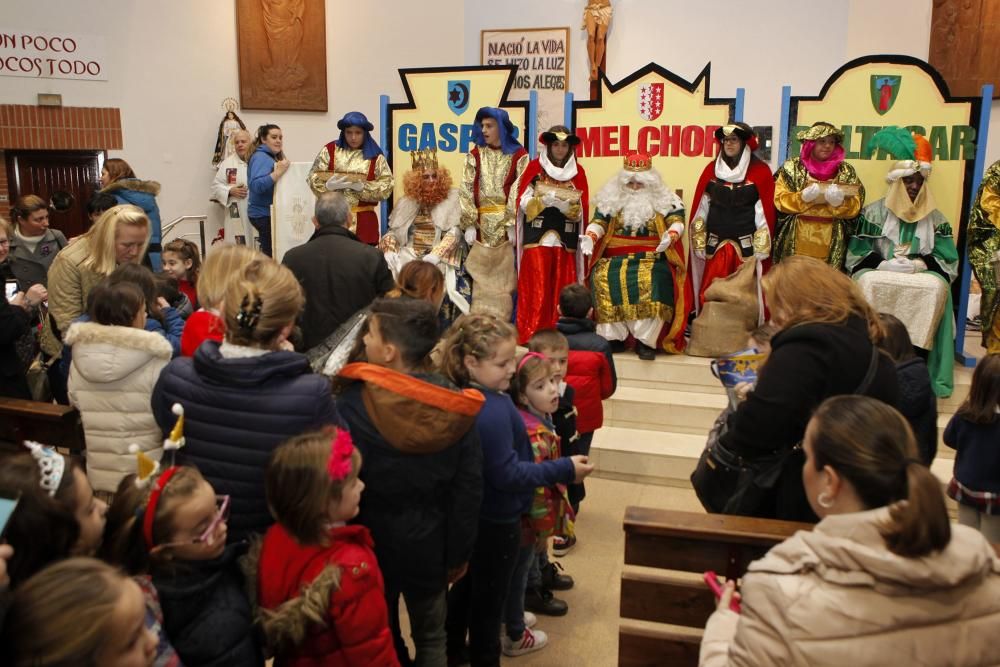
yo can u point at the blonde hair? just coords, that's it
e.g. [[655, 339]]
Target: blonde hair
[[806, 290], [220, 266], [6, 227], [260, 303], [61, 617], [26, 205], [103, 237], [474, 334], [299, 488]]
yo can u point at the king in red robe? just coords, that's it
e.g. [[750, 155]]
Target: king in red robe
[[734, 213], [553, 203]]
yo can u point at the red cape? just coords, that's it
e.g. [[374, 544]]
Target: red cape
[[760, 175], [579, 181]]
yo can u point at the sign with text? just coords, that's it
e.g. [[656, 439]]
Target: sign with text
[[46, 55], [541, 56], [870, 93], [651, 111], [441, 111]]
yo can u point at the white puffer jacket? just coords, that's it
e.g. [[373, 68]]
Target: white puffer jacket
[[111, 380]]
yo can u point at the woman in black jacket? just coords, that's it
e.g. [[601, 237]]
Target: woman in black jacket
[[245, 396], [826, 345]]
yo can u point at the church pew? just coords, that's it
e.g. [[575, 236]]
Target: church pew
[[47, 423], [664, 601]]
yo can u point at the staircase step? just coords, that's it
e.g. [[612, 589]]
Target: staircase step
[[668, 458]]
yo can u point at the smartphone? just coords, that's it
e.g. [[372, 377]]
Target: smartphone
[[712, 579], [7, 507], [10, 289]]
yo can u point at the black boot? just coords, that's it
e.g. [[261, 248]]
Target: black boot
[[541, 601], [645, 352], [617, 345], [553, 580]]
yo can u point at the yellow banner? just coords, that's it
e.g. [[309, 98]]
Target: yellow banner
[[864, 98], [656, 112], [441, 111]]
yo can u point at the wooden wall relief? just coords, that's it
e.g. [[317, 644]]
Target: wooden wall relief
[[965, 35], [282, 54]]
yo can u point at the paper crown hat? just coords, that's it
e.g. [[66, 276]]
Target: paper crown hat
[[424, 159], [638, 162], [147, 467]]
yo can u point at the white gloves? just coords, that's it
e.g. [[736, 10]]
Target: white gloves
[[512, 233], [811, 193], [551, 201], [343, 183], [432, 259], [470, 235], [898, 264], [665, 242], [586, 245], [834, 195], [335, 183]]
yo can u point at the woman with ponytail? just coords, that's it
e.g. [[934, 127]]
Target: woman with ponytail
[[266, 165], [884, 578], [245, 395]]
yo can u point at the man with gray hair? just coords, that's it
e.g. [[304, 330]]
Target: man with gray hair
[[339, 274]]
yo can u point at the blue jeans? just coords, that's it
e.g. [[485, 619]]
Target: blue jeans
[[263, 227], [513, 607]]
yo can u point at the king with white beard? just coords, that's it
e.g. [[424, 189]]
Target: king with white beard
[[638, 268]]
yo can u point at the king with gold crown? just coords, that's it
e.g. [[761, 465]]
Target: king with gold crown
[[425, 225], [638, 269]]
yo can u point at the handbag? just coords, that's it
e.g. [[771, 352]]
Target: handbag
[[727, 483]]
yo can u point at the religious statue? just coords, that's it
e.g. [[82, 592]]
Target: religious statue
[[284, 28], [596, 21], [230, 123]]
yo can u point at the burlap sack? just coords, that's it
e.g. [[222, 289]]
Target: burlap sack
[[493, 279], [730, 314]]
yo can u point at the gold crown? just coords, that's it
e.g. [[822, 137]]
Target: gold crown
[[425, 159], [638, 162]]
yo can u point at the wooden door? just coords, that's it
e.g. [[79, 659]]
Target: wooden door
[[65, 178]]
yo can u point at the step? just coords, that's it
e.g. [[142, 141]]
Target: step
[[643, 456], [663, 409], [668, 458]]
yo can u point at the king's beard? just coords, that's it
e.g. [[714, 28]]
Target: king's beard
[[638, 210], [427, 193]]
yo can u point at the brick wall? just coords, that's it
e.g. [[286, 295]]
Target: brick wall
[[28, 127]]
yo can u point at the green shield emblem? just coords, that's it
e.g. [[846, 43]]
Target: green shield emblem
[[884, 89]]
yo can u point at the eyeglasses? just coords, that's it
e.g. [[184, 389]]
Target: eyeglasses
[[221, 514]]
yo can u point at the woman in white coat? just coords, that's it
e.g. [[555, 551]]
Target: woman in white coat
[[229, 190], [115, 366], [883, 579]]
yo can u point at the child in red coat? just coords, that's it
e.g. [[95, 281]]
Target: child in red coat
[[313, 566]]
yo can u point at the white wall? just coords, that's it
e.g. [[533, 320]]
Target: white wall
[[174, 62], [760, 46]]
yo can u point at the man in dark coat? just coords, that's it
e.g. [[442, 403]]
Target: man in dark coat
[[339, 274]]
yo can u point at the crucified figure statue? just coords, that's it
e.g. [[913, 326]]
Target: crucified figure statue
[[596, 20]]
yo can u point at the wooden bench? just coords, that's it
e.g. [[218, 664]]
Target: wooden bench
[[664, 601], [48, 423]]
